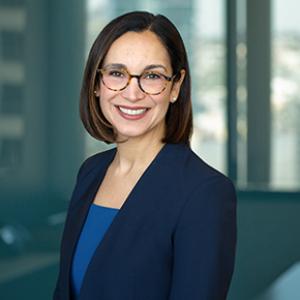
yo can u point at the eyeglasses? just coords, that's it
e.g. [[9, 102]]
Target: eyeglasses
[[150, 82]]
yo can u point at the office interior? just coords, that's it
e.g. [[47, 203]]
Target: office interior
[[245, 66]]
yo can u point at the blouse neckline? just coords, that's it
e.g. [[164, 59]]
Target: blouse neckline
[[104, 207]]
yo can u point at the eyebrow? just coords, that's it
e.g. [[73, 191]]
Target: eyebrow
[[149, 67], [154, 67], [118, 66]]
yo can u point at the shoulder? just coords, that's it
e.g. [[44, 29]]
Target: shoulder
[[195, 187], [194, 173], [208, 196], [204, 193], [210, 181], [95, 161]]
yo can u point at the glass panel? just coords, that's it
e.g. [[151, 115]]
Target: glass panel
[[201, 24], [12, 99], [11, 84], [285, 95], [12, 42], [41, 146], [268, 96]]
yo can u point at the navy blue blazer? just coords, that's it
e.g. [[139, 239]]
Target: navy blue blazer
[[174, 238]]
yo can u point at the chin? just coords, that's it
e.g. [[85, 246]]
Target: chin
[[130, 134], [138, 132]]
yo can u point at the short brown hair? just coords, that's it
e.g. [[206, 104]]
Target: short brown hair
[[179, 122]]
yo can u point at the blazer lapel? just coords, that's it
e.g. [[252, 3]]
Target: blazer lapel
[[131, 209], [78, 214]]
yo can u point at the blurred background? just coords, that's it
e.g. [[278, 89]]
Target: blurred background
[[245, 63]]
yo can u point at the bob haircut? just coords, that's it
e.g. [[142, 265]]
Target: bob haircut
[[179, 122]]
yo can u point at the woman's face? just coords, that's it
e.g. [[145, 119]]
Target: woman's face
[[133, 113]]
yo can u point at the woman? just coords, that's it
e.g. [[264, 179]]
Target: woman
[[148, 219]]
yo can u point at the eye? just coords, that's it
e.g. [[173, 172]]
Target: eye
[[116, 73], [152, 76]]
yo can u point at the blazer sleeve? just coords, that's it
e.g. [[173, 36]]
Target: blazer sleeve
[[204, 243]]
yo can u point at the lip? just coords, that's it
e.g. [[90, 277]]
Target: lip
[[132, 107], [132, 117]]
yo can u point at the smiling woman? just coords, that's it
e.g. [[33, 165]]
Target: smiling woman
[[148, 219]]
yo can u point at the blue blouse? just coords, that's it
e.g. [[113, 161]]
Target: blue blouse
[[98, 220]]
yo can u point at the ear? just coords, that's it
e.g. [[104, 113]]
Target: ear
[[176, 87]]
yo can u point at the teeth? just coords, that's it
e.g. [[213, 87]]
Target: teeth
[[132, 112]]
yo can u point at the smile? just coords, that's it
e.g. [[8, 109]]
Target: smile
[[132, 112]]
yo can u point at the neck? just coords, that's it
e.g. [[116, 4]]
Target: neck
[[136, 153]]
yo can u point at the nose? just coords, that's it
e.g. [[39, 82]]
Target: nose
[[133, 92]]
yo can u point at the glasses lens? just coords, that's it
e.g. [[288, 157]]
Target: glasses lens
[[153, 82], [115, 79]]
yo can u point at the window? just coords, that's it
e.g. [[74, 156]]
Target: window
[[265, 126]]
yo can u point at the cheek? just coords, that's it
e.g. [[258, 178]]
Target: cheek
[[161, 108], [105, 93], [105, 100], [162, 101], [102, 106], [105, 109]]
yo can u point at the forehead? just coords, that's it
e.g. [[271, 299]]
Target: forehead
[[136, 50]]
